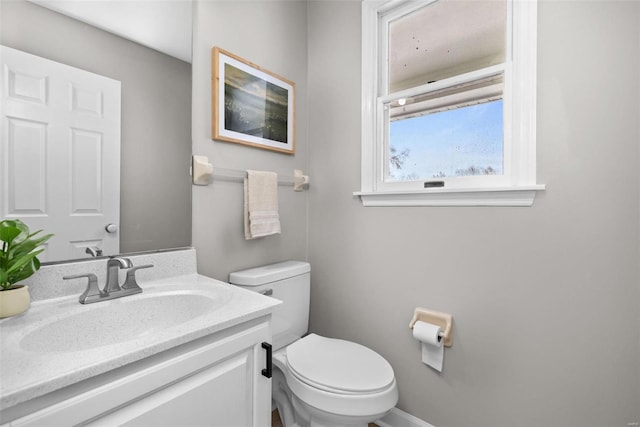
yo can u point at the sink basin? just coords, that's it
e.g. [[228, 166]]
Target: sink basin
[[117, 321]]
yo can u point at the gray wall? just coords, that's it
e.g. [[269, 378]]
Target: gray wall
[[272, 34], [545, 299], [155, 197]]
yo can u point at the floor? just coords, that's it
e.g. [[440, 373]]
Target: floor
[[275, 420]]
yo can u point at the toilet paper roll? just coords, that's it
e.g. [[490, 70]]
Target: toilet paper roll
[[432, 349], [427, 333]]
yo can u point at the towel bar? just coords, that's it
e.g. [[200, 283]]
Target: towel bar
[[239, 175], [298, 181]]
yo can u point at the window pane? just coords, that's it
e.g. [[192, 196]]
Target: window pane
[[460, 142], [444, 39]]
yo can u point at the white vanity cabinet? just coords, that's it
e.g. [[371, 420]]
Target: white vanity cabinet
[[216, 380]]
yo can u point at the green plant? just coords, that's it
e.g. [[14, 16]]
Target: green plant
[[18, 257]]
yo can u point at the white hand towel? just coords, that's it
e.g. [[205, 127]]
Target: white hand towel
[[261, 204]]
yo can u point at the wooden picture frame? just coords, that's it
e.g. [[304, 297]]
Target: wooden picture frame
[[251, 105]]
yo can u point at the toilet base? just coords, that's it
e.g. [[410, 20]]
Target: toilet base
[[315, 417]]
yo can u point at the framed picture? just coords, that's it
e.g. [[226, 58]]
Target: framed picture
[[251, 105]]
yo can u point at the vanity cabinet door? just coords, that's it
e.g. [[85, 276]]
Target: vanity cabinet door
[[220, 395], [218, 384]]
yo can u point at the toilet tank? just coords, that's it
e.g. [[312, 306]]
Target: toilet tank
[[289, 282]]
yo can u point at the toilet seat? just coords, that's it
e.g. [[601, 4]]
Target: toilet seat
[[324, 390], [338, 366]]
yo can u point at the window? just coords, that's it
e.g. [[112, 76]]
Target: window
[[448, 103]]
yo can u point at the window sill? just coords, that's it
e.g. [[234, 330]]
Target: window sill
[[509, 196]]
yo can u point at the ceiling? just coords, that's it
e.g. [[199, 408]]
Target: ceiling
[[163, 25], [429, 44]]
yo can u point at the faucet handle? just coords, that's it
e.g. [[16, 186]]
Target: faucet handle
[[93, 293], [130, 281]]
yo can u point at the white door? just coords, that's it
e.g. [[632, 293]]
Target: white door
[[60, 153]]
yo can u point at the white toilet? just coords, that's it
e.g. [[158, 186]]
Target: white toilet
[[317, 381]]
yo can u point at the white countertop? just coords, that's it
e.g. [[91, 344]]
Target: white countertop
[[26, 373]]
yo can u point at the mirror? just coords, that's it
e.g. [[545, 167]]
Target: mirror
[[155, 129]]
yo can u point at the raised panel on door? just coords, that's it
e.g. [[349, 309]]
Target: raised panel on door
[[26, 151], [64, 177], [86, 172], [85, 100], [26, 86]]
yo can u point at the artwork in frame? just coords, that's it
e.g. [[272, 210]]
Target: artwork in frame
[[251, 105]]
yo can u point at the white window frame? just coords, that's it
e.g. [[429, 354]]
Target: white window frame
[[517, 186]]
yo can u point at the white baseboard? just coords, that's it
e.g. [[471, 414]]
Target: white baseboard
[[399, 418]]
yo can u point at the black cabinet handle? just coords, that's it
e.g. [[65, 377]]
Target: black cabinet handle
[[267, 372]]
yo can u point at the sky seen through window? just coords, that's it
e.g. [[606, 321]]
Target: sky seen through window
[[462, 141]]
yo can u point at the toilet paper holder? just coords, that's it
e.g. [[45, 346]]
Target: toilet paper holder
[[444, 320]]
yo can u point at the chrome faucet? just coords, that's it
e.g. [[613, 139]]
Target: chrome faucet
[[94, 251], [112, 287], [113, 265]]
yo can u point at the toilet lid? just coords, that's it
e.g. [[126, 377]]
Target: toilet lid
[[338, 366]]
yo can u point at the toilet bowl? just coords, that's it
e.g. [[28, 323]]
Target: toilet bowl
[[336, 382], [317, 381]]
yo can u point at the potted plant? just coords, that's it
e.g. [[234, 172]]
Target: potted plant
[[18, 261]]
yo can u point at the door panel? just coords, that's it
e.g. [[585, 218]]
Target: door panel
[[60, 153], [26, 190]]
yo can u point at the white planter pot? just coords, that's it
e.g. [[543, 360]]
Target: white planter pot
[[14, 301]]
